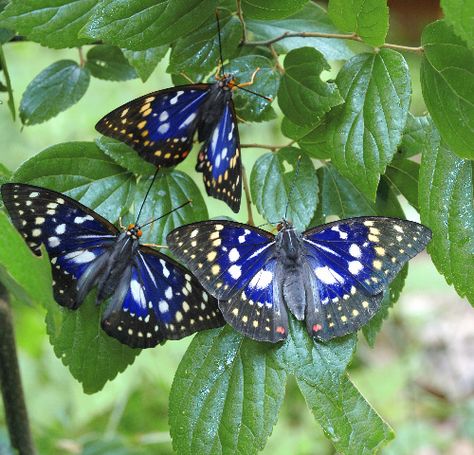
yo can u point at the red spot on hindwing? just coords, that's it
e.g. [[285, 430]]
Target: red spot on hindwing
[[317, 327], [280, 329]]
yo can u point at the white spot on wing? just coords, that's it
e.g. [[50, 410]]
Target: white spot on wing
[[81, 219], [261, 280], [355, 251], [235, 271], [163, 128], [163, 116], [355, 267], [163, 306], [327, 275], [188, 121], [169, 293], [60, 229], [137, 293], [53, 242], [234, 254], [174, 100]]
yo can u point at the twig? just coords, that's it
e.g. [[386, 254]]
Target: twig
[[248, 200], [273, 148], [350, 36], [280, 68], [241, 19], [10, 383], [82, 60]]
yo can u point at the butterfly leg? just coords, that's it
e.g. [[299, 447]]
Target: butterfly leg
[[121, 225], [252, 80]]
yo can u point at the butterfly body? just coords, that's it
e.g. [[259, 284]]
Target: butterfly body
[[151, 297], [332, 276], [162, 125]]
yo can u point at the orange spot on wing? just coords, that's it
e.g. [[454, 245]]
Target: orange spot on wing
[[316, 327], [280, 329]]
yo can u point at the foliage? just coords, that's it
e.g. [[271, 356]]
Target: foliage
[[360, 149]]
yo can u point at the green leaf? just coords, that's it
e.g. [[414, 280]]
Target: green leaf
[[4, 68], [276, 9], [372, 328], [125, 156], [447, 83], [419, 135], [143, 24], [108, 62], [366, 18], [52, 91], [199, 51], [347, 419], [312, 18], [93, 357], [54, 24], [460, 15], [81, 170], [446, 206], [5, 174], [311, 139], [274, 187], [365, 132], [249, 106], [403, 176], [145, 61], [171, 189], [303, 97], [6, 35], [27, 277], [226, 395]]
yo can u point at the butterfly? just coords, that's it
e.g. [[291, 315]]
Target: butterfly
[[161, 127], [152, 297], [332, 276]]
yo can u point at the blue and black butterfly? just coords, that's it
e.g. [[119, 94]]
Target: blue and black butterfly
[[161, 127], [332, 276], [152, 297]]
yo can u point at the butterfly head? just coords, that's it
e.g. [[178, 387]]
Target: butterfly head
[[226, 81], [134, 231], [284, 225]]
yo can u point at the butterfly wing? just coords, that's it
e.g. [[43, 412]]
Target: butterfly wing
[[219, 160], [235, 263], [350, 264], [160, 126], [72, 234], [158, 300]]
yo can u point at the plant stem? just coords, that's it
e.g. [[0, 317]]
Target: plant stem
[[10, 383], [273, 148], [248, 199], [241, 19], [348, 36]]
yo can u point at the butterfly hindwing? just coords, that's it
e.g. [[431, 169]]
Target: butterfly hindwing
[[162, 301], [72, 234], [219, 160], [160, 126], [352, 263]]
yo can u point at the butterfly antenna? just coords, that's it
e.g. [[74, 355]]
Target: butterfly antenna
[[267, 98], [219, 38], [293, 184], [166, 214], [146, 195]]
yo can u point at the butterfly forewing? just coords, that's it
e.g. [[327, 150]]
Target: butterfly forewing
[[72, 234], [160, 126], [352, 263], [219, 160]]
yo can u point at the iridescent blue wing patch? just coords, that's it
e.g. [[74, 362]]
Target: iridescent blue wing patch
[[219, 160], [160, 126], [73, 235], [351, 263], [236, 264], [160, 300]]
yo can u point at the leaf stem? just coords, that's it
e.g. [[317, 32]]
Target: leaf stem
[[10, 383], [348, 36], [248, 199], [273, 148]]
